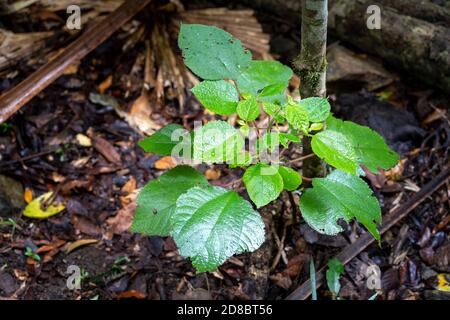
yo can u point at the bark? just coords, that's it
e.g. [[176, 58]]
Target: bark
[[407, 39], [311, 66]]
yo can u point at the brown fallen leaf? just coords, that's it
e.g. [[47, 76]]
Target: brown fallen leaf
[[130, 185], [131, 294], [122, 221], [106, 149], [139, 115], [102, 87], [165, 163], [79, 243], [212, 174], [50, 246]]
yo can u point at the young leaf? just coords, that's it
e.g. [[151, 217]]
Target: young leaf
[[157, 200], [262, 74], [220, 96], [286, 137], [340, 196], [263, 182], [291, 178], [217, 142], [274, 110], [248, 109], [297, 116], [161, 142], [212, 53], [318, 109], [334, 271], [210, 224], [346, 145], [272, 90]]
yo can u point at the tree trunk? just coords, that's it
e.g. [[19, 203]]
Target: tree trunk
[[413, 35], [311, 66]]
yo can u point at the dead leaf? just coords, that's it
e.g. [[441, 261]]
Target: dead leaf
[[86, 226], [106, 149], [443, 282], [295, 265], [281, 280], [131, 294], [83, 140], [28, 195], [105, 84], [130, 186], [139, 115], [165, 163], [212, 174], [72, 69], [79, 243], [36, 209], [122, 221]]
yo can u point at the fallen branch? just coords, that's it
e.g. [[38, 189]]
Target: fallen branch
[[351, 251], [14, 99]]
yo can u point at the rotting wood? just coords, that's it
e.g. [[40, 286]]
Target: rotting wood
[[351, 251], [13, 100]]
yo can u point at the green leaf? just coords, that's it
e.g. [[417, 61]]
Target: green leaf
[[346, 145], [286, 137], [340, 196], [297, 116], [318, 109], [210, 224], [217, 142], [263, 182], [273, 89], [212, 53], [334, 271], [157, 200], [241, 159], [291, 178], [248, 109], [274, 110], [161, 142], [337, 149], [262, 74], [220, 96]]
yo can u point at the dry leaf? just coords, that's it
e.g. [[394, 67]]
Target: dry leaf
[[130, 186], [107, 150], [28, 195], [212, 174], [165, 163], [105, 84], [138, 116], [131, 294], [35, 209], [79, 243], [122, 221], [83, 140]]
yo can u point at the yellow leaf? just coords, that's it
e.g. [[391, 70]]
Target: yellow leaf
[[443, 282], [35, 209], [79, 243], [83, 140]]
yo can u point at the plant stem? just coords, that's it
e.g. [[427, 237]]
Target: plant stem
[[311, 66]]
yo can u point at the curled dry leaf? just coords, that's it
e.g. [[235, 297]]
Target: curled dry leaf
[[121, 222], [79, 243]]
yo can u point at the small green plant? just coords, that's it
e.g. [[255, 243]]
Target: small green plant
[[33, 255], [209, 223], [334, 271]]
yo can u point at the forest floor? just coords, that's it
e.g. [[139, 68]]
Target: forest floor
[[70, 139]]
